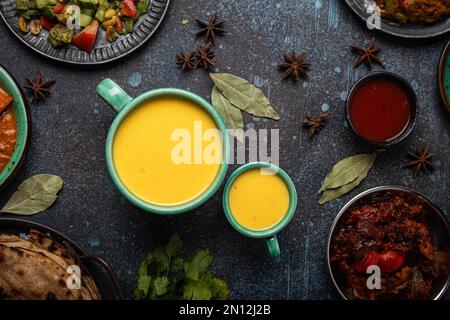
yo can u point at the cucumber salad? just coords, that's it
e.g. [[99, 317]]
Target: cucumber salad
[[78, 21]]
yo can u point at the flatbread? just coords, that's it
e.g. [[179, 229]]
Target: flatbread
[[37, 269]]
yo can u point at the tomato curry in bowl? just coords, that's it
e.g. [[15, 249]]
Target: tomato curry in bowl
[[390, 243], [14, 126]]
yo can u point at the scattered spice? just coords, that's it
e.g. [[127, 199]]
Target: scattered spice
[[368, 55], [244, 95], [315, 124], [205, 56], [34, 195], [295, 66], [38, 87], [420, 160], [186, 61], [346, 175], [211, 29]]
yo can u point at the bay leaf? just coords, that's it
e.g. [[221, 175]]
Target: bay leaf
[[332, 194], [34, 195], [347, 170], [231, 115], [243, 95]]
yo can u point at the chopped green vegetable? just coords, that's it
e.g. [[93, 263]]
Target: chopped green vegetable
[[100, 15], [25, 4], [142, 7], [28, 14], [185, 21], [60, 35], [48, 13], [129, 24], [164, 275], [41, 3], [88, 12], [85, 20], [90, 4]]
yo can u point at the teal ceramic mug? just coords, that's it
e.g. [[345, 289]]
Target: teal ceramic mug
[[23, 125], [270, 233], [123, 104]]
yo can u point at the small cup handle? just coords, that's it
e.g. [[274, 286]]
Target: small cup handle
[[113, 94], [273, 247]]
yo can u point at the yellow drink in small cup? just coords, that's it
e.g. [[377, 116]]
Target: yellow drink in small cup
[[259, 200]]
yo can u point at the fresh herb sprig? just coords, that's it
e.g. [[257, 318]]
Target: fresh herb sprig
[[164, 275]]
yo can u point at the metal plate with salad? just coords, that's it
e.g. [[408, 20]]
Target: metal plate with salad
[[83, 32]]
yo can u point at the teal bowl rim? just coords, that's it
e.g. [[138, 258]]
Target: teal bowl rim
[[185, 207], [280, 225], [20, 104], [443, 74]]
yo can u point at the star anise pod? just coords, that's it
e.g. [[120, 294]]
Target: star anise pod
[[295, 66], [315, 124], [420, 160], [368, 55], [205, 56], [209, 30], [38, 87], [186, 61]]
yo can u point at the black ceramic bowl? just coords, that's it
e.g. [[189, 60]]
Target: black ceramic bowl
[[437, 223], [412, 97], [99, 269]]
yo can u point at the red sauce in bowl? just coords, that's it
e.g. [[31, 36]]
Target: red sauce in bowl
[[380, 110]]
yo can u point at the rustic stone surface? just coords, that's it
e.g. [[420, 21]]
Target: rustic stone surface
[[70, 128]]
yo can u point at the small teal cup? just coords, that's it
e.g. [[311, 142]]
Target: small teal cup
[[270, 233]]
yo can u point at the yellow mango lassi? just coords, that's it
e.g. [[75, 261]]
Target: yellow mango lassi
[[149, 160], [258, 201]]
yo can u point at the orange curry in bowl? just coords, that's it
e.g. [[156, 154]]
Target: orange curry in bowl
[[7, 129]]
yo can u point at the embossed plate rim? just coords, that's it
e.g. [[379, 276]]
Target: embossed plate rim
[[61, 54]]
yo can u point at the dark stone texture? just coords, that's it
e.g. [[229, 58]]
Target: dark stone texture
[[70, 128]]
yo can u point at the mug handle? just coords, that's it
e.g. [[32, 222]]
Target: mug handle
[[113, 94], [273, 247]]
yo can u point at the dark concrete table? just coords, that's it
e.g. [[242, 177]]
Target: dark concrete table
[[70, 129]]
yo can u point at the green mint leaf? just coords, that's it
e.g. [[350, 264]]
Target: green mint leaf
[[219, 289], [197, 264], [160, 285], [143, 269], [177, 265], [174, 246], [196, 290], [144, 283], [139, 294], [161, 260]]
